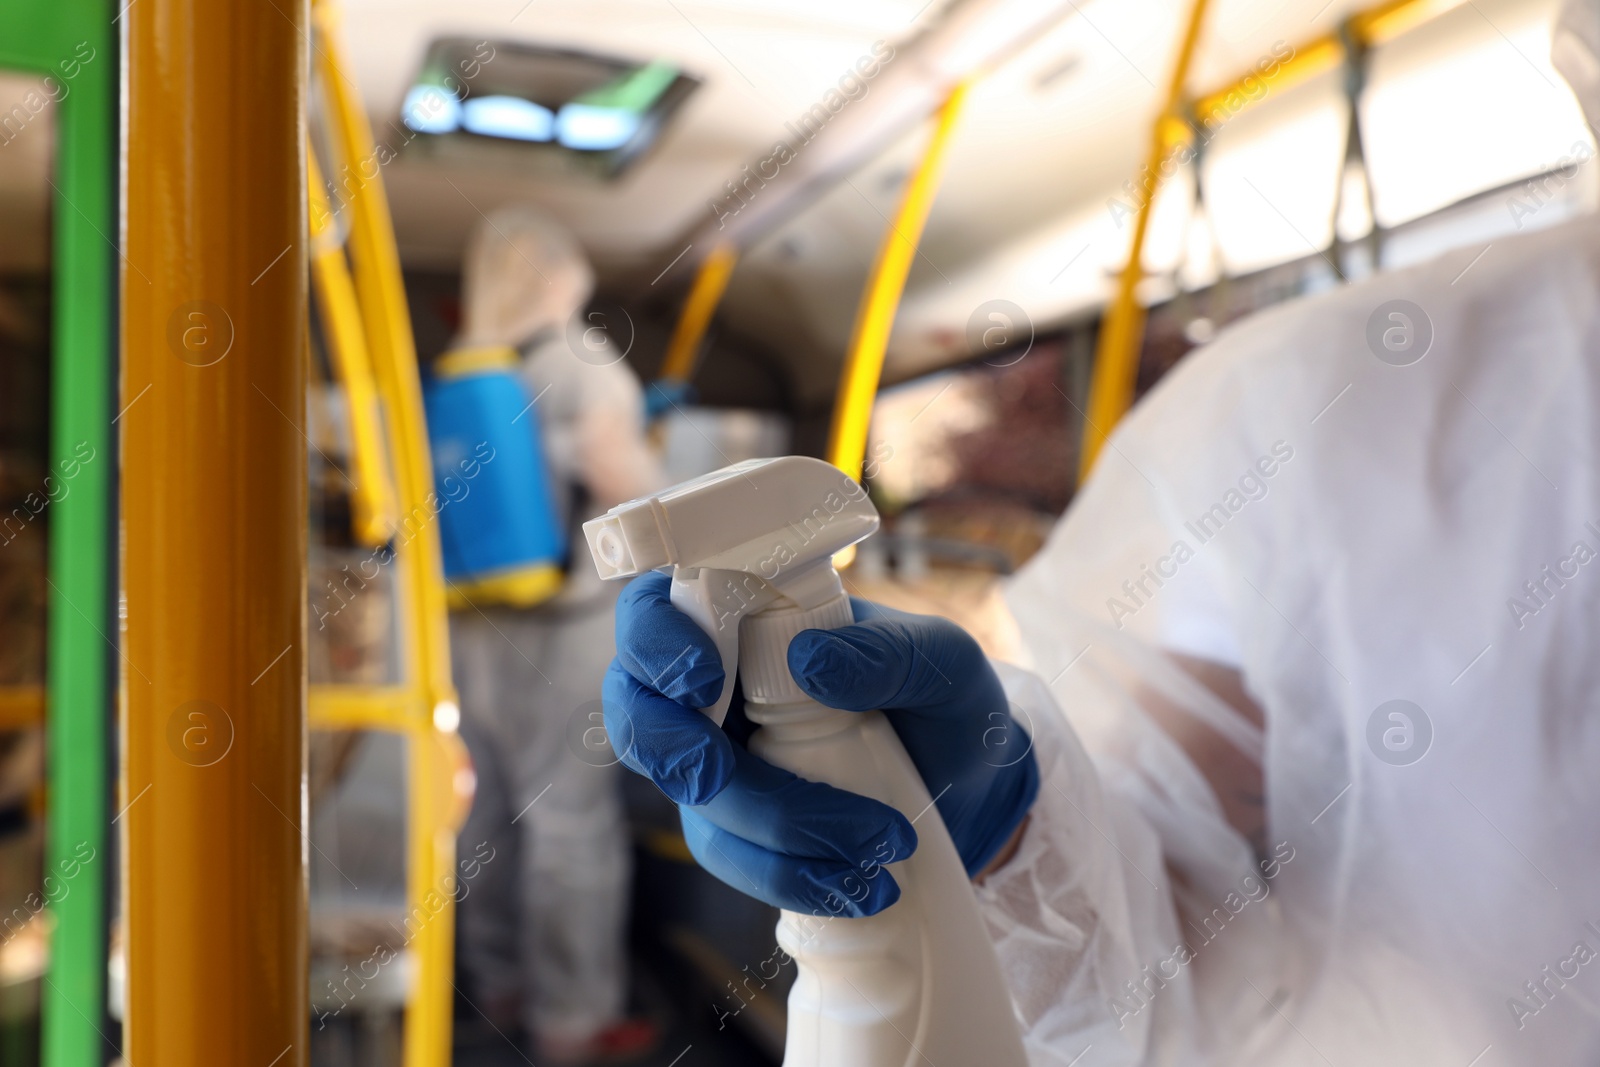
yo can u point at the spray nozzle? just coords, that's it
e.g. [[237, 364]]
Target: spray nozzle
[[739, 539]]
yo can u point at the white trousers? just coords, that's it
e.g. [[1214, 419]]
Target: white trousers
[[545, 921]]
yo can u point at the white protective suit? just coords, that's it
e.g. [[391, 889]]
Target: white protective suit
[[1345, 532], [551, 927]]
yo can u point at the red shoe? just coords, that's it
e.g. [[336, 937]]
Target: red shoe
[[622, 1042]]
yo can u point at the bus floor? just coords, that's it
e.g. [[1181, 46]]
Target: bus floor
[[679, 1005], [662, 993]]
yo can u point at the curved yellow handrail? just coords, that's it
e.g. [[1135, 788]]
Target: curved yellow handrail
[[710, 282], [438, 778], [381, 293], [869, 340], [372, 497]]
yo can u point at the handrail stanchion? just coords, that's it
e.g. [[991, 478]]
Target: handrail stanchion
[[869, 340]]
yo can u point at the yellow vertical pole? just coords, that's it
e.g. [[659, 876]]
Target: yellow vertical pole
[[1122, 332], [710, 282], [869, 340], [214, 519]]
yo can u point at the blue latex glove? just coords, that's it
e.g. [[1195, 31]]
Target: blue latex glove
[[802, 845]]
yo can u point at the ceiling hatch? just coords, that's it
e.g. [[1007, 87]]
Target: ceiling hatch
[[556, 110]]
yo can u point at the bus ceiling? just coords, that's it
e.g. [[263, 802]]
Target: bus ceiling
[[753, 150]]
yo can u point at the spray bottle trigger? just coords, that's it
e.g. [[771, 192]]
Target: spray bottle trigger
[[717, 600]]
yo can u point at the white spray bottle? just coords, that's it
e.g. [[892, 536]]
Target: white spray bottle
[[751, 547]]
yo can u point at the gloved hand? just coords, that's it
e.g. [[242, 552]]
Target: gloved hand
[[803, 845]]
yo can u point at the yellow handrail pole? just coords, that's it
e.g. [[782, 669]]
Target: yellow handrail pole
[[214, 534], [435, 756], [869, 340], [1122, 332], [372, 498], [710, 282]]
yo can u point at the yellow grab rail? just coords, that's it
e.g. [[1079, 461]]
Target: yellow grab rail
[[1370, 27], [1313, 58], [710, 282], [438, 780], [1122, 332], [372, 497], [381, 293], [391, 708], [869, 340]]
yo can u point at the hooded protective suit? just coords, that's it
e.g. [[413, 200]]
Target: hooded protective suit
[[1381, 506], [551, 928]]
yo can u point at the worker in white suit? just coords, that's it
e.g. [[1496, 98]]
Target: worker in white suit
[[542, 937], [1314, 690]]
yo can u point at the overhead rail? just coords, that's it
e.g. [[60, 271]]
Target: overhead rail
[[1319, 55], [1122, 330], [423, 706]]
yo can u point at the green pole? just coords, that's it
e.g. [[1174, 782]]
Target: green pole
[[82, 619], [74, 43]]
